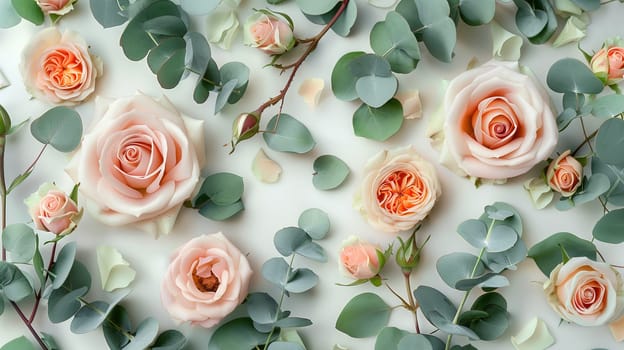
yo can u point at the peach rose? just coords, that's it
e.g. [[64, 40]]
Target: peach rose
[[207, 279], [58, 68], [608, 64], [564, 174], [269, 33], [398, 191], [52, 210], [498, 122], [139, 162], [56, 7], [359, 259], [585, 292]]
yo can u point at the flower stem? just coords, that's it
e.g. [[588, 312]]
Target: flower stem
[[45, 279], [412, 303], [587, 140]]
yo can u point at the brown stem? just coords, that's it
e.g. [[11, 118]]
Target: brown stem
[[587, 139], [29, 326], [32, 165], [45, 279], [412, 302], [312, 43]]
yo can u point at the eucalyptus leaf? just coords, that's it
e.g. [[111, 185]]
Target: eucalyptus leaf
[[198, 52], [376, 91], [342, 79], [221, 188], [60, 127], [536, 19], [587, 5], [206, 82], [89, 317], [159, 55], [293, 322], [29, 10], [276, 271], [301, 280], [571, 75], [235, 71], [573, 101], [145, 334], [593, 187], [610, 227], [217, 212], [458, 266], [477, 12], [414, 341], [170, 340], [224, 95], [49, 341], [20, 241], [172, 70], [289, 239], [565, 118], [378, 123], [345, 22], [369, 65], [107, 12], [436, 307], [167, 25], [63, 265], [118, 323], [615, 195], [329, 172], [610, 142], [8, 16], [514, 221], [62, 305], [393, 40], [286, 134], [237, 334], [282, 345], [21, 343], [389, 338], [363, 316], [314, 222], [262, 308], [547, 253], [438, 30], [199, 8], [496, 323], [317, 7], [13, 283], [608, 106]]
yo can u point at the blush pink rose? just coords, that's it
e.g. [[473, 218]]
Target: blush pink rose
[[269, 33], [586, 292], [564, 174], [58, 68], [139, 162], [56, 7], [207, 279], [609, 63], [359, 259], [398, 191], [53, 210], [498, 122]]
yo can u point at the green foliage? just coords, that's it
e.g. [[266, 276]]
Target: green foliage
[[199, 8], [13, 283], [237, 334], [170, 340], [615, 195], [607, 106], [363, 316], [20, 343], [286, 134], [375, 84], [29, 10], [587, 5], [390, 338], [294, 240], [108, 12], [145, 334], [318, 7], [8, 16], [63, 305], [342, 80], [118, 323], [63, 265], [278, 272], [536, 20], [220, 196], [329, 172], [591, 188], [234, 80], [378, 123], [477, 12], [59, 127], [344, 23], [315, 223], [457, 267], [571, 75], [548, 253], [610, 227], [440, 311], [20, 241], [609, 142], [495, 322], [393, 40]]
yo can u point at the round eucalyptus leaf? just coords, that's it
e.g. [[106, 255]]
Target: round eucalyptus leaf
[[610, 227], [237, 334], [114, 330], [593, 187], [317, 7], [496, 323], [378, 123], [531, 23], [370, 65], [615, 195], [376, 91], [342, 79], [610, 143], [571, 75], [59, 127], [13, 283], [8, 16], [536, 20], [276, 271], [389, 338], [163, 52], [170, 340], [607, 106], [171, 71], [573, 101], [199, 8], [440, 38], [313, 251], [314, 222], [495, 281], [408, 10], [262, 308], [235, 71], [224, 95], [508, 259], [293, 322], [548, 253], [167, 25], [501, 238], [344, 23], [197, 52], [20, 343], [474, 232], [456, 267], [62, 305], [63, 265], [89, 317], [78, 277], [514, 221], [221, 188], [29, 10], [107, 13], [436, 307], [363, 316], [565, 118], [497, 213], [217, 212], [414, 341], [289, 239], [20, 241], [393, 40], [145, 334], [206, 82], [301, 280], [329, 172], [587, 5], [286, 134], [477, 12]]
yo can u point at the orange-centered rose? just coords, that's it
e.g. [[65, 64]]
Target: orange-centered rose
[[398, 191], [564, 174]]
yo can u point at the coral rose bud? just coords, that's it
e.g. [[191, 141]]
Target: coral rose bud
[[245, 126], [360, 259], [56, 7], [53, 210], [269, 33], [608, 64], [564, 174]]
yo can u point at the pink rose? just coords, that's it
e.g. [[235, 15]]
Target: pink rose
[[398, 191], [52, 210], [498, 122], [564, 174], [585, 292], [56, 7], [608, 64], [207, 279], [58, 68], [359, 259], [269, 33], [139, 162]]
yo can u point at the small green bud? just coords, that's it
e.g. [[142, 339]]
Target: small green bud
[[408, 253]]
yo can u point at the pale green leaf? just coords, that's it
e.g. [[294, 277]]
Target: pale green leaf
[[329, 172]]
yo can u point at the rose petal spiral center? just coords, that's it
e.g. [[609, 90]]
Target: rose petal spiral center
[[400, 191], [63, 68]]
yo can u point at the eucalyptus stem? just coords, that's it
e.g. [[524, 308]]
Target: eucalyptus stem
[[279, 304], [587, 140], [45, 279], [467, 293], [591, 148]]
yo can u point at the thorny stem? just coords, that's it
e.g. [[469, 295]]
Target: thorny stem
[[312, 44]]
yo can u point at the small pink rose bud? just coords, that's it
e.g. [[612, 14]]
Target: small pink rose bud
[[245, 126], [564, 174], [56, 7], [53, 210], [360, 259], [608, 64], [269, 33]]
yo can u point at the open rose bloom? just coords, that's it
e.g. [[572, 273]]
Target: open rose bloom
[[56, 7], [57, 67], [207, 279], [586, 292], [53, 210], [497, 123], [564, 174], [398, 191], [139, 162], [359, 259]]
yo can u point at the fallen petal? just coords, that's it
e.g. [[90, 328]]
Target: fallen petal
[[412, 106], [617, 329], [4, 82], [533, 336], [311, 90], [505, 45], [115, 272], [265, 169]]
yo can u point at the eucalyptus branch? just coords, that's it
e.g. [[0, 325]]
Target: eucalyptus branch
[[586, 141], [279, 303]]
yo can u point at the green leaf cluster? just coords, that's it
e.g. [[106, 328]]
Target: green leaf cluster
[[317, 13], [220, 196], [553, 250]]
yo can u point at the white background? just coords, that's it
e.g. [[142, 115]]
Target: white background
[[270, 207]]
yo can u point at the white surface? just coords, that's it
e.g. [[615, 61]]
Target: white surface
[[270, 207]]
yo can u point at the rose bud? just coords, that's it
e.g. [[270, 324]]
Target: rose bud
[[408, 253], [56, 7], [269, 33], [53, 210], [608, 64], [359, 259], [245, 126], [5, 121], [564, 174]]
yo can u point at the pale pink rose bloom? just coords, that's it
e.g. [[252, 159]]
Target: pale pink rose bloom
[[52, 210], [138, 162], [56, 7], [358, 258], [58, 67], [585, 292], [398, 191], [609, 62], [499, 123], [207, 279], [268, 33], [564, 174]]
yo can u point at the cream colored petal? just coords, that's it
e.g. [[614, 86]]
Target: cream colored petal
[[115, 271], [265, 169], [505, 45], [573, 31], [4, 82], [541, 194], [311, 90], [567, 7], [412, 105], [221, 27], [382, 3], [340, 347], [533, 336], [617, 329]]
